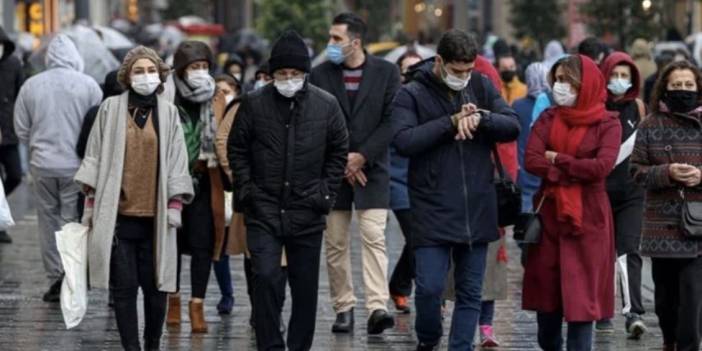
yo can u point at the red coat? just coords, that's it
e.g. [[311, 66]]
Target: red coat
[[564, 272]]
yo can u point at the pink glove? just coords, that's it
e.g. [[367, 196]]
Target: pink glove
[[175, 207]]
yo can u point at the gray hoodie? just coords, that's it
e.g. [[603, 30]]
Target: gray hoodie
[[50, 108]]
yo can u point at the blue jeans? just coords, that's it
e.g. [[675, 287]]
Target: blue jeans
[[432, 266], [224, 276], [487, 312], [550, 338]]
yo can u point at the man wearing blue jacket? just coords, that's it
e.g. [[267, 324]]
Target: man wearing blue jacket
[[447, 121]]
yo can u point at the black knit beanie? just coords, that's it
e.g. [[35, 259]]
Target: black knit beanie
[[289, 51]]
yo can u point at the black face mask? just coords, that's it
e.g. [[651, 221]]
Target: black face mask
[[507, 76], [680, 101]]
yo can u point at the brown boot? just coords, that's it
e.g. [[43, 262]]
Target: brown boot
[[197, 317], [173, 317]]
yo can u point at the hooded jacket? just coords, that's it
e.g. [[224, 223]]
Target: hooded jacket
[[11, 78], [451, 183], [50, 109], [630, 116]]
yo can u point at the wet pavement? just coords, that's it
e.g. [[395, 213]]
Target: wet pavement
[[28, 323]]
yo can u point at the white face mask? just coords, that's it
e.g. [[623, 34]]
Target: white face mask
[[145, 84], [198, 78], [228, 98], [237, 76], [563, 95], [453, 82], [260, 84], [289, 87]]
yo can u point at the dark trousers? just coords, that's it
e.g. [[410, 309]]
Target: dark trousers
[[196, 236], [200, 262], [11, 166], [627, 208], [224, 276], [131, 267], [551, 339], [403, 274], [678, 294], [222, 271], [432, 265], [487, 312], [303, 254]]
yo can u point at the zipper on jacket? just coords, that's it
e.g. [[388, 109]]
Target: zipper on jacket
[[465, 195]]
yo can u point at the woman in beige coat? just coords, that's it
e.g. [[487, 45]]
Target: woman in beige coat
[[135, 176]]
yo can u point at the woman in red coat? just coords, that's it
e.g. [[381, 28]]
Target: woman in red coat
[[573, 147]]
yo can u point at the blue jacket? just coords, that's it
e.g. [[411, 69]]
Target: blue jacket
[[528, 182], [451, 183], [399, 196]]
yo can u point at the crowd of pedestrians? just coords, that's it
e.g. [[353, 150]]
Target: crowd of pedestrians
[[211, 161]]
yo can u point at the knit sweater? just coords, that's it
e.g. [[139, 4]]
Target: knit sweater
[[139, 179], [663, 139]]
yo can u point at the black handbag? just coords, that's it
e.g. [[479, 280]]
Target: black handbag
[[691, 217], [528, 229], [509, 196]]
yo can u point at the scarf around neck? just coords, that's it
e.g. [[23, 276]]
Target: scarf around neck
[[569, 128], [202, 95]]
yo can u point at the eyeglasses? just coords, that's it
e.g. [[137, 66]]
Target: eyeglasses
[[286, 76]]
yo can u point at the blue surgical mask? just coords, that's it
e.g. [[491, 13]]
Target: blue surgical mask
[[619, 86], [335, 53], [260, 84]]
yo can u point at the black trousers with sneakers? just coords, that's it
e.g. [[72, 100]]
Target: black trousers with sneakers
[[678, 294], [303, 255], [132, 267], [627, 208]]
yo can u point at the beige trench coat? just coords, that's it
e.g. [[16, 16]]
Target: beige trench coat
[[102, 169]]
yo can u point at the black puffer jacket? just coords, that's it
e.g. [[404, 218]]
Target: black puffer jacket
[[11, 78], [287, 167]]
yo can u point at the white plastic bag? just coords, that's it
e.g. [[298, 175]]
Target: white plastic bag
[[5, 215], [228, 211], [72, 243]]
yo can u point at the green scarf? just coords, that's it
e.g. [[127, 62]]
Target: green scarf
[[192, 128]]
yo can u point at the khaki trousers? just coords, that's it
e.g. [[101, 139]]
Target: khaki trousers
[[375, 261]]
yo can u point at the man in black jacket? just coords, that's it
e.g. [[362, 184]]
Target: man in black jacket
[[364, 86], [11, 78], [447, 121], [287, 150]]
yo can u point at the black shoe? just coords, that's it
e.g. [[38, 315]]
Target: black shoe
[[54, 293], [635, 326], [604, 326], [379, 321], [5, 238], [425, 347], [226, 304], [344, 322]]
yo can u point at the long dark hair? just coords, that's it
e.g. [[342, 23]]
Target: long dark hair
[[660, 87]]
